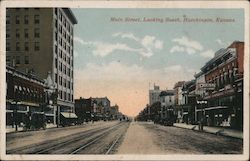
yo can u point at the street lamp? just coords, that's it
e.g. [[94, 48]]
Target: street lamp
[[202, 114]]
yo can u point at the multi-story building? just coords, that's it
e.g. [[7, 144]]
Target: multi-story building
[[40, 40], [154, 95], [189, 102], [25, 95], [167, 101], [92, 108], [178, 100], [225, 103]]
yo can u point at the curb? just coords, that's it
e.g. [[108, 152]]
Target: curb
[[218, 133]]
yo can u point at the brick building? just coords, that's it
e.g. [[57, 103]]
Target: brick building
[[225, 103], [25, 95]]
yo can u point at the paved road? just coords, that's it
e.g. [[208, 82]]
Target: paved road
[[121, 138], [85, 139], [157, 139]]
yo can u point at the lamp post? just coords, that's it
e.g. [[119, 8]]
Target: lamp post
[[202, 114]]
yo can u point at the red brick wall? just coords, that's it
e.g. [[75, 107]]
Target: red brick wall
[[240, 54]]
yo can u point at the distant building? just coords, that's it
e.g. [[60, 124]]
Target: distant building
[[84, 109], [103, 102], [178, 92], [154, 95], [189, 102], [179, 100], [167, 101], [93, 108], [114, 111], [40, 40]]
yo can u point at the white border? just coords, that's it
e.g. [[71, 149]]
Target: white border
[[125, 4]]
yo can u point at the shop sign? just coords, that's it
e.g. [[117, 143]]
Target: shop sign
[[207, 86]]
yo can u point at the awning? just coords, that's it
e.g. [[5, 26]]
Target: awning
[[68, 115]]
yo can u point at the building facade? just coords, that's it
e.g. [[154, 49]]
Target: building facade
[[25, 95], [40, 40], [225, 103], [167, 102], [154, 95]]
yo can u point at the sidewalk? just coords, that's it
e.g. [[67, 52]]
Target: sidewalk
[[10, 129], [214, 130]]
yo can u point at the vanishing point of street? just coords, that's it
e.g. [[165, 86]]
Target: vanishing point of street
[[120, 137]]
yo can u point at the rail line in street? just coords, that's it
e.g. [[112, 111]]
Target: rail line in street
[[99, 137], [49, 146]]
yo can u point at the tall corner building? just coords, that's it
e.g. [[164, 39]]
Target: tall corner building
[[40, 41]]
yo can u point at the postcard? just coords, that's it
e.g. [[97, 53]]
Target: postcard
[[124, 80]]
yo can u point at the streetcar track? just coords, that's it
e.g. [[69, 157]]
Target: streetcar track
[[41, 148], [94, 140]]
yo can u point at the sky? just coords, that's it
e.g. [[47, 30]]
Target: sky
[[123, 59]]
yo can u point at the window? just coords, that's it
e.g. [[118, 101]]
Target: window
[[17, 46], [17, 19], [56, 49], [60, 53], [37, 47], [36, 32], [69, 84], [26, 59], [8, 60], [26, 33], [26, 19], [64, 34], [60, 80], [56, 23], [64, 45], [7, 33], [69, 72], [7, 19], [55, 11], [56, 63], [17, 59], [65, 96], [17, 33], [60, 28], [65, 83], [60, 41], [60, 15], [65, 69], [69, 97], [7, 46], [60, 65], [36, 19], [56, 36], [64, 22], [26, 46], [55, 77]]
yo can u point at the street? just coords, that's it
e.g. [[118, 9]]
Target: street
[[115, 137]]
